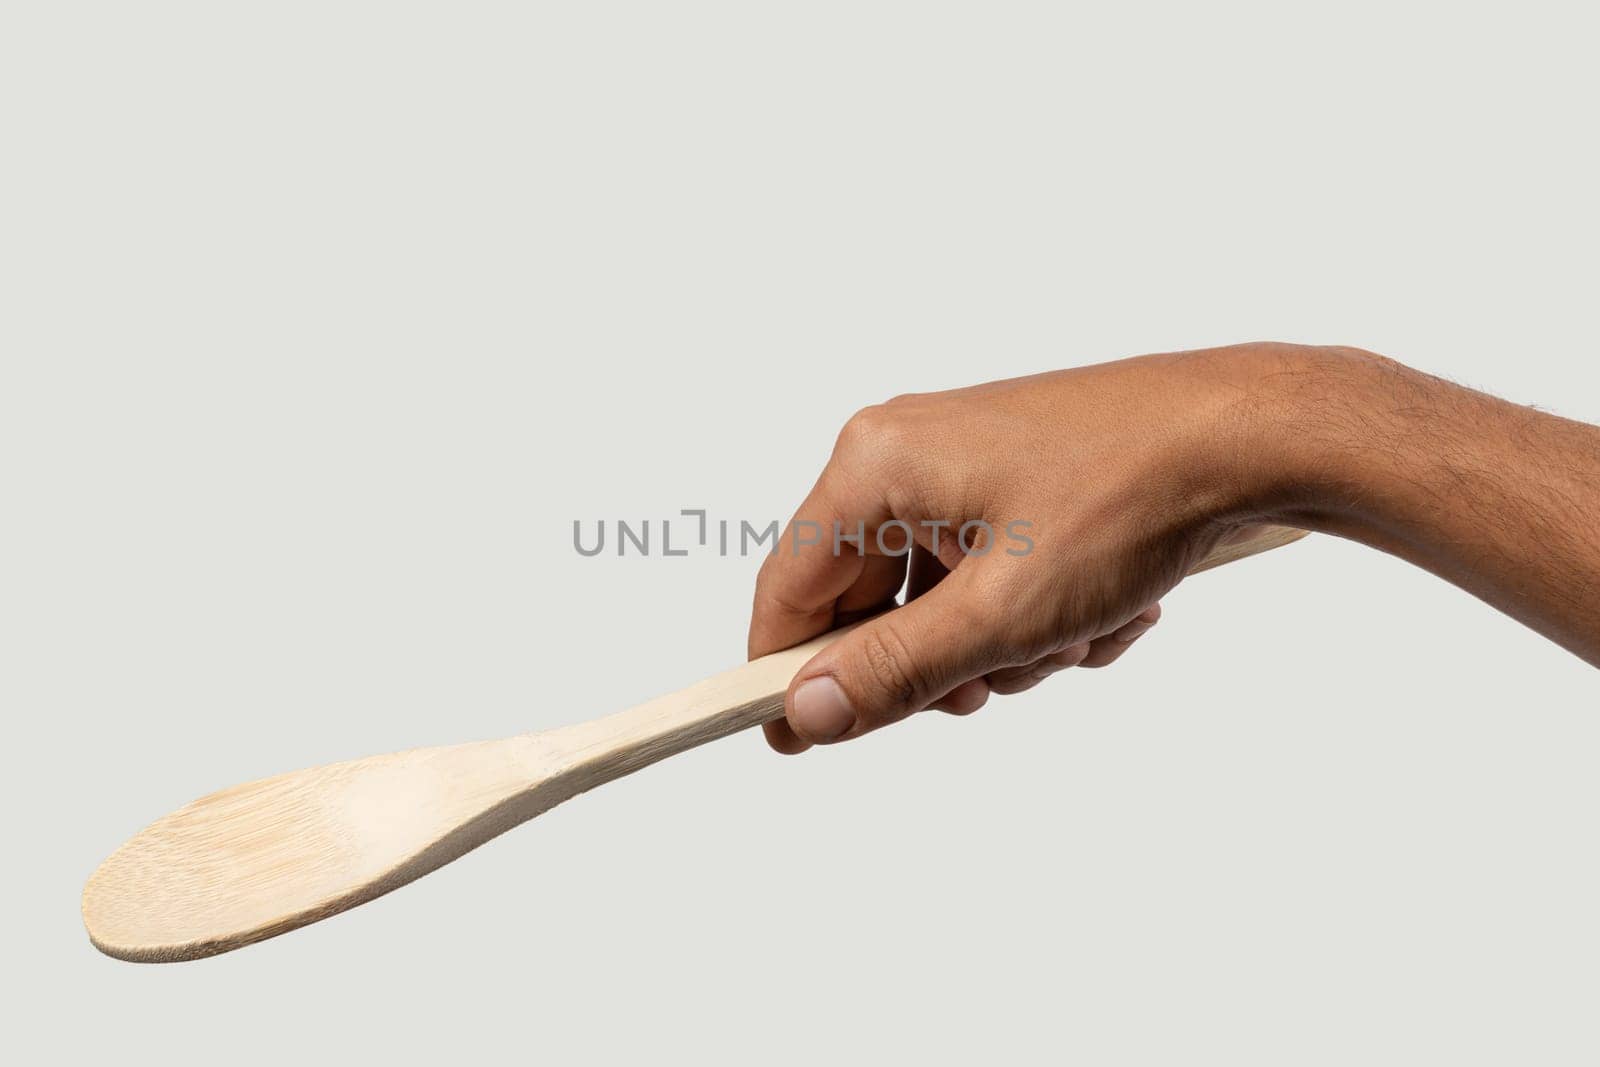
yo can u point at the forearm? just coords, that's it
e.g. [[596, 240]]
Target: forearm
[[1500, 499]]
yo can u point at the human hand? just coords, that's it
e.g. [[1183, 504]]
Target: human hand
[[1086, 494]]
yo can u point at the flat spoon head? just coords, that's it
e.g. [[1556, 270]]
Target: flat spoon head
[[265, 857]]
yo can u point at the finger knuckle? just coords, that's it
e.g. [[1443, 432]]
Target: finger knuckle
[[891, 669], [769, 592], [871, 435], [862, 427]]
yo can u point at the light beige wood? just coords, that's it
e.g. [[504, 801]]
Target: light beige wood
[[262, 858]]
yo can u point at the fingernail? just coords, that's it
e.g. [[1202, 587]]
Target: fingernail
[[821, 710], [1132, 631]]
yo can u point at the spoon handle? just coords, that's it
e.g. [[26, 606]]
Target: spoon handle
[[748, 695]]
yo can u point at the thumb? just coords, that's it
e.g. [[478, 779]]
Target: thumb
[[895, 665]]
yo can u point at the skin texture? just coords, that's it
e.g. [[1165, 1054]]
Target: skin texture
[[1129, 472]]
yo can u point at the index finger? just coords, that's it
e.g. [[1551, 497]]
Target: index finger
[[802, 581]]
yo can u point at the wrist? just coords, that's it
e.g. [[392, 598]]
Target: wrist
[[1321, 426]]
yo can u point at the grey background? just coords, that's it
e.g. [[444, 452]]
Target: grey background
[[322, 321]]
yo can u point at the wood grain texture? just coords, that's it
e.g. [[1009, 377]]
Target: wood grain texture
[[259, 859]]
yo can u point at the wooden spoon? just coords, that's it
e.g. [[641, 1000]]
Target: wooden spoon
[[265, 857]]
